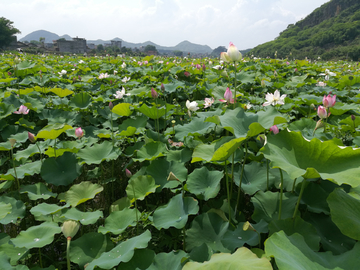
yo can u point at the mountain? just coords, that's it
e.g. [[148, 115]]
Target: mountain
[[330, 32], [49, 37], [184, 46]]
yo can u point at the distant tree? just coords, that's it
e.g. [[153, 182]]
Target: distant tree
[[100, 48], [150, 48], [34, 42], [61, 39], [7, 30], [216, 52], [178, 53]]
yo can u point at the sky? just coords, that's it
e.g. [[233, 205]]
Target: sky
[[246, 23]]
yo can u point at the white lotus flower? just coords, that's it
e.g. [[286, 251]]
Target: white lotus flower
[[123, 65], [63, 72], [192, 106], [327, 74], [121, 94], [208, 102], [103, 75], [126, 79], [273, 99]]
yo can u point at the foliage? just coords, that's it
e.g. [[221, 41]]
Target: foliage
[[155, 185], [7, 31], [331, 32]]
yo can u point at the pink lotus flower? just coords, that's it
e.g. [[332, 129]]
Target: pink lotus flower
[[228, 96], [187, 74], [274, 129], [22, 110], [329, 101], [322, 113], [79, 132]]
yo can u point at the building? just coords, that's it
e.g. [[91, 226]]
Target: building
[[77, 45]]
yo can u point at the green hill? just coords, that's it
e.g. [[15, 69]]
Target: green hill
[[331, 32]]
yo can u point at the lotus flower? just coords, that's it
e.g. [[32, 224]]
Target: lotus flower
[[79, 132], [322, 113], [22, 110], [274, 129], [31, 137], [154, 94], [228, 96], [273, 99], [232, 54], [329, 101], [126, 79], [70, 228], [121, 94], [192, 106], [103, 76], [208, 102]]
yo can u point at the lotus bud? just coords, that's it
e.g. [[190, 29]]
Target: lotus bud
[[233, 53], [70, 228], [111, 105], [162, 87], [31, 137], [79, 132], [128, 173], [322, 113], [274, 129], [154, 94], [263, 85], [224, 57], [203, 67], [353, 117]]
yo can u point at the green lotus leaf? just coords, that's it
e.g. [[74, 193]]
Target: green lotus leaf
[[267, 205], [341, 108], [332, 239], [152, 112], [81, 193], [227, 149], [44, 209], [62, 92], [5, 263], [17, 210], [81, 100], [26, 169], [151, 151], [37, 236], [172, 260], [176, 212], [37, 191], [292, 252], [139, 187], [249, 124], [312, 159], [209, 229], [181, 156], [204, 182], [52, 131], [133, 126], [98, 153], [33, 104], [297, 225], [205, 152], [14, 253], [142, 259], [197, 126], [123, 252], [122, 109], [161, 176], [85, 218], [118, 221], [242, 259], [345, 210], [89, 247], [5, 209], [60, 171]]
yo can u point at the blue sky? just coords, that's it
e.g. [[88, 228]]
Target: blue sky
[[246, 23]]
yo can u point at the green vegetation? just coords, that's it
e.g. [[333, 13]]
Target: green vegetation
[[330, 32], [7, 32]]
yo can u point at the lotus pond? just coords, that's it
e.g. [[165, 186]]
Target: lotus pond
[[177, 163]]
